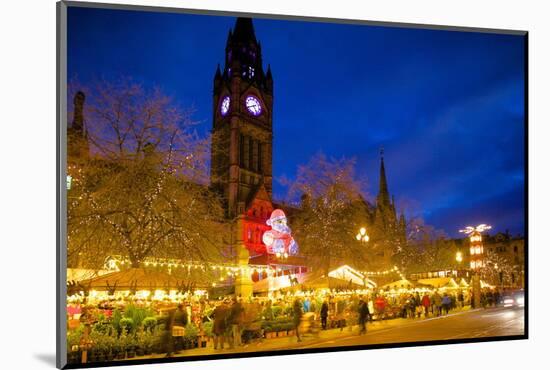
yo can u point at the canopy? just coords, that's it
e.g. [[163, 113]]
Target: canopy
[[135, 279], [343, 277], [443, 282], [463, 284], [75, 274], [349, 274], [485, 285], [400, 284]]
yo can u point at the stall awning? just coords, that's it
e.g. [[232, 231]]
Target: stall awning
[[135, 279], [443, 282]]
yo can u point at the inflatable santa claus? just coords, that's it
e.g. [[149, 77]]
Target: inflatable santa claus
[[279, 239]]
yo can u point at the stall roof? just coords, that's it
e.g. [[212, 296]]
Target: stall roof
[[442, 282], [403, 284], [135, 278]]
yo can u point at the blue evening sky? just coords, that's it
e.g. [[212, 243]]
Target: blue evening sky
[[447, 106]]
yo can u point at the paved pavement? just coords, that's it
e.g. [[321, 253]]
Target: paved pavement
[[457, 325]]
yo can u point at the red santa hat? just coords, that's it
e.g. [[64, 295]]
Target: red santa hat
[[276, 215]]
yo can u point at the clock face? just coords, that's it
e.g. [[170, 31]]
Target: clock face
[[253, 105], [224, 108]]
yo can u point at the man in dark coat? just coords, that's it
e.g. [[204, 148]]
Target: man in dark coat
[[219, 327], [324, 314], [363, 316], [180, 319], [167, 338], [235, 322]]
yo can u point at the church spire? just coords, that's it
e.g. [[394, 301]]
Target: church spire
[[383, 193], [244, 30]]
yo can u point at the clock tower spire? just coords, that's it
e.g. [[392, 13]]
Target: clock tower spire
[[242, 134]]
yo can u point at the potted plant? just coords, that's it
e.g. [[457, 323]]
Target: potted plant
[[73, 345], [109, 347], [191, 336], [141, 342], [149, 323], [126, 324], [130, 346]]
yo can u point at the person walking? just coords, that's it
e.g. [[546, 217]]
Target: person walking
[[380, 306], [437, 304], [297, 317], [219, 327], [179, 323], [426, 304], [167, 338], [363, 316], [446, 303], [324, 314], [235, 320], [460, 299]]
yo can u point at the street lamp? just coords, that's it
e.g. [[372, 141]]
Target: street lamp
[[458, 257], [362, 235]]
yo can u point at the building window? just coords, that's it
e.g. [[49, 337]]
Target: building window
[[241, 151], [251, 159], [515, 248], [259, 157], [246, 141]]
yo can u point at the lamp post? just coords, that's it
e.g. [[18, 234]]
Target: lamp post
[[362, 236], [458, 257]]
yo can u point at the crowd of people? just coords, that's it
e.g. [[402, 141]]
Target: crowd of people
[[229, 317]]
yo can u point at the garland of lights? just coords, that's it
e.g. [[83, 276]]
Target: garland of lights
[[114, 261], [385, 272]]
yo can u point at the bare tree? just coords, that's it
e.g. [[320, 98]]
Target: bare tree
[[143, 190], [497, 269], [426, 248], [326, 224]]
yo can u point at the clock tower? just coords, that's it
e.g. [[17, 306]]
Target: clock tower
[[242, 132], [242, 137]]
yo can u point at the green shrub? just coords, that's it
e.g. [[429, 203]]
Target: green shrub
[[207, 327], [137, 314], [115, 320], [103, 327], [276, 311], [149, 323], [191, 331], [127, 324], [73, 337]]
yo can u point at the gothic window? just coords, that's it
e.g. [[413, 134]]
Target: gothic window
[[246, 162], [250, 72], [241, 151], [251, 163], [259, 157], [249, 234]]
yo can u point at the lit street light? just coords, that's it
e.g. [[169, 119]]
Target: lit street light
[[458, 257], [362, 235]]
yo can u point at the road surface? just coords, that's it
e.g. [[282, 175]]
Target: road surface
[[463, 325]]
